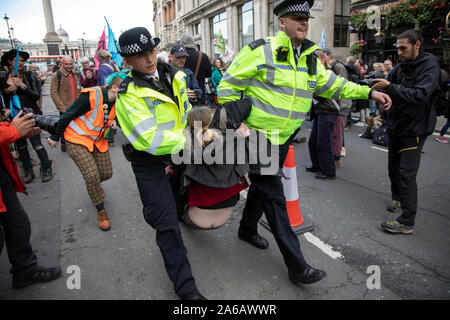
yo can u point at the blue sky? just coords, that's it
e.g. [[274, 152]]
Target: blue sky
[[76, 17]]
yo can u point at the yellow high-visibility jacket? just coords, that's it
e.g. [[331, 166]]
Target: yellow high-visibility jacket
[[152, 121], [281, 91]]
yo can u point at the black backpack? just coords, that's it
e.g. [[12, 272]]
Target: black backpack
[[381, 137]]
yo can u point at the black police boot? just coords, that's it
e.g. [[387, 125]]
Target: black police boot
[[255, 240], [41, 274], [307, 276]]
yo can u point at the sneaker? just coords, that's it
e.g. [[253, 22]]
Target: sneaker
[[396, 227], [103, 221], [441, 139], [394, 206], [41, 274]]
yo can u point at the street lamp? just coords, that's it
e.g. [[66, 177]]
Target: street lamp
[[9, 32], [13, 38], [379, 36]]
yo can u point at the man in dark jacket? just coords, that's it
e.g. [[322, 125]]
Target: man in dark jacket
[[324, 112], [13, 218], [177, 58], [412, 85], [203, 63]]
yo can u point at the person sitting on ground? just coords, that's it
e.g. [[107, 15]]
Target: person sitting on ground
[[83, 126], [213, 189]]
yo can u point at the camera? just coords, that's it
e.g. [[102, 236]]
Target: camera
[[367, 82], [43, 122]]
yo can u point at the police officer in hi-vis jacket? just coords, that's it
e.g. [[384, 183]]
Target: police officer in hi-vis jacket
[[279, 75], [152, 111]]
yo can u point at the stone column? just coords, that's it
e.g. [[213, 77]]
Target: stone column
[[52, 40]]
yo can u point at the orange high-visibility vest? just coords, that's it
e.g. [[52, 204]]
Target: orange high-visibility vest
[[89, 129]]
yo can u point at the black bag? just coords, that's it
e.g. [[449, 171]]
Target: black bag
[[381, 137], [210, 85]]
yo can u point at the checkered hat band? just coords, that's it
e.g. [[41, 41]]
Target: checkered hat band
[[131, 49], [304, 7]]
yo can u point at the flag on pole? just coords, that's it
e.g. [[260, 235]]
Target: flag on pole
[[101, 46], [112, 47], [226, 52], [14, 103], [322, 39]]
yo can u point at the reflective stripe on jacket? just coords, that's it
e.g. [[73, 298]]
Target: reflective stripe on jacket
[[281, 91], [89, 129], [153, 122]]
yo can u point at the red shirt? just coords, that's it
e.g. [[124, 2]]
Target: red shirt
[[72, 82], [204, 196]]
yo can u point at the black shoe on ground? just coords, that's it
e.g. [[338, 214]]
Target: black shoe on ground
[[195, 296], [255, 240], [41, 274], [323, 176], [308, 276], [312, 169]]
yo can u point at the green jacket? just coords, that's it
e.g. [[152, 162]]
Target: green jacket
[[280, 90], [150, 120]]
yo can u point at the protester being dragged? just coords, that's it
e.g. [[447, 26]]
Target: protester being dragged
[[83, 126], [65, 88], [412, 84], [25, 86], [88, 75], [14, 219], [177, 58]]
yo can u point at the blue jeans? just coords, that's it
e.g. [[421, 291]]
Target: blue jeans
[[445, 127]]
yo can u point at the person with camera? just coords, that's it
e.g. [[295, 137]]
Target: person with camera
[[152, 110], [412, 84], [13, 217], [26, 86], [83, 126]]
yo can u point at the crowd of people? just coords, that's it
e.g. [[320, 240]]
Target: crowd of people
[[158, 99]]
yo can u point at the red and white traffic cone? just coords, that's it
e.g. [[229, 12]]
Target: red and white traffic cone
[[299, 224]]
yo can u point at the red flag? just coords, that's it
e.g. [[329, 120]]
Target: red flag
[[101, 46]]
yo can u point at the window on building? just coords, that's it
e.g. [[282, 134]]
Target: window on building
[[195, 3], [218, 25], [274, 27], [197, 28], [246, 34], [341, 20]]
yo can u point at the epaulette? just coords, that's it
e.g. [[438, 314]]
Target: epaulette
[[257, 43], [124, 85]]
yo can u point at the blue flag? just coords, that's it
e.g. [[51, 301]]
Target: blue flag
[[112, 47], [322, 39], [14, 102]]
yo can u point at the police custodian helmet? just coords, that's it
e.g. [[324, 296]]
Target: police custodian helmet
[[135, 41], [295, 7]]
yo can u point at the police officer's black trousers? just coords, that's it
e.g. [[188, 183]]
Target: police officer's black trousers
[[266, 195], [17, 228], [403, 164], [160, 212]]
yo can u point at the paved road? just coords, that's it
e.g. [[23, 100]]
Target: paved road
[[125, 262]]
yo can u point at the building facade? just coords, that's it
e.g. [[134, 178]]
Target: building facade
[[241, 21], [75, 49]]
